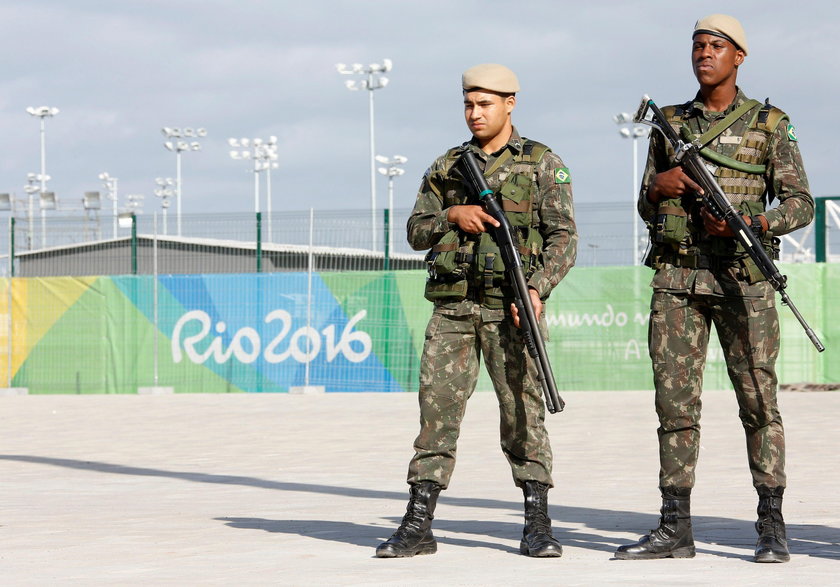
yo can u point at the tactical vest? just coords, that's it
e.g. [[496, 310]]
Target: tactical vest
[[676, 232], [463, 265]]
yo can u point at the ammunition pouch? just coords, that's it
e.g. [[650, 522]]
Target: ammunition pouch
[[448, 264], [715, 254], [470, 266], [670, 226]]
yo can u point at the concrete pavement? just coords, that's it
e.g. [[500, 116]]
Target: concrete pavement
[[299, 489]]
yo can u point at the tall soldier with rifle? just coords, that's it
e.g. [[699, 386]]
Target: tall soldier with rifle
[[497, 219], [707, 273]]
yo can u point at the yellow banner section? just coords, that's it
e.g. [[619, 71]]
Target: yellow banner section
[[20, 328]]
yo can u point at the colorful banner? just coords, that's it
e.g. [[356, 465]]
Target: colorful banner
[[348, 331]]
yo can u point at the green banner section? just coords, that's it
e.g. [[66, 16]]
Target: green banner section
[[343, 331]]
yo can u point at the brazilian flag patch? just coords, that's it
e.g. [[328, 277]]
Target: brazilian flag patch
[[562, 175], [791, 133]]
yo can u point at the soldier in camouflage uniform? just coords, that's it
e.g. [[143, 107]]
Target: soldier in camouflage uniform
[[702, 277], [473, 311]]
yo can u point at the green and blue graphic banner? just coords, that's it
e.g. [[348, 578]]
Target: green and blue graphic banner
[[347, 332]]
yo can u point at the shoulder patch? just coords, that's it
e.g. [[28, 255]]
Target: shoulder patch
[[791, 133], [562, 175]]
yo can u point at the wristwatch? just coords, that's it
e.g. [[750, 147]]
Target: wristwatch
[[756, 227]]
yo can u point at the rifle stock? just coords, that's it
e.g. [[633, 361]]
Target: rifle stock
[[505, 238], [688, 155]]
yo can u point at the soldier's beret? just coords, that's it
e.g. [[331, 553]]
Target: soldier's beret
[[490, 76], [724, 26]]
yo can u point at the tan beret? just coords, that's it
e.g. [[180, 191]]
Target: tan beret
[[490, 76], [725, 26]]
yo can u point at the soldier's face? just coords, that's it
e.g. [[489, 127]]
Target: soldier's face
[[715, 60], [487, 114]]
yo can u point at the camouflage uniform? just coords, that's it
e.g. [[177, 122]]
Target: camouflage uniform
[[459, 332], [709, 283]]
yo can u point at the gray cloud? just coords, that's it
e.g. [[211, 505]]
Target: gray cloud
[[120, 71]]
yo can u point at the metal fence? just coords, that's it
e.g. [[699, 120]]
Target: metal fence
[[317, 297], [340, 240]]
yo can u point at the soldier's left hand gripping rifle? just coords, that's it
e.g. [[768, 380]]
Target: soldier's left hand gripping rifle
[[688, 155], [506, 238]]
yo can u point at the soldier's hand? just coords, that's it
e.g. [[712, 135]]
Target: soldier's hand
[[671, 184], [535, 301], [470, 218], [714, 226]]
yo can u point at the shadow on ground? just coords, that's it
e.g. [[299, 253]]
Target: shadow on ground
[[805, 539]]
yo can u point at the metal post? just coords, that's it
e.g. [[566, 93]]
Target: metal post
[[819, 223], [387, 240], [256, 186], [309, 270], [633, 213], [11, 248], [259, 242], [372, 169], [9, 316], [268, 200], [43, 183], [133, 244], [178, 189], [155, 299], [390, 209], [116, 213]]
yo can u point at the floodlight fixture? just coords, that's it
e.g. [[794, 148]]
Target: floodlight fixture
[[91, 201], [264, 155], [178, 146], [48, 201], [126, 219]]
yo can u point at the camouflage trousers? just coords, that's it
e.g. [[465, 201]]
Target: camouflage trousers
[[448, 376], [748, 330]]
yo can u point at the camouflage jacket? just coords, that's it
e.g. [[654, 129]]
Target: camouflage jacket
[[783, 181], [552, 207]]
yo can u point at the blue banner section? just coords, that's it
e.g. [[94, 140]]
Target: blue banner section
[[262, 332]]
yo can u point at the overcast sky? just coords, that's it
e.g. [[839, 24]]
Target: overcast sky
[[121, 70]]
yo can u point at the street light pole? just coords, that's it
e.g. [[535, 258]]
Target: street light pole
[[374, 80], [632, 131], [178, 146], [164, 191], [264, 155], [392, 170], [110, 184], [43, 112]]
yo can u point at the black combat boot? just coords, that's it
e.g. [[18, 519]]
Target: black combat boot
[[772, 540], [673, 538], [414, 536], [537, 539]]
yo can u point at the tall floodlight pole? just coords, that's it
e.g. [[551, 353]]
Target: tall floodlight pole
[[164, 191], [629, 130], [177, 143], [264, 155], [110, 184], [391, 171], [372, 80], [43, 112]]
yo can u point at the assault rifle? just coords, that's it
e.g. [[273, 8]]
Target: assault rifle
[[688, 155], [506, 239]]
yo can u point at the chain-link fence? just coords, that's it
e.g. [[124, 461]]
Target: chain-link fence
[[341, 240]]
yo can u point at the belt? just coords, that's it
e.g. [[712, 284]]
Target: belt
[[710, 262]]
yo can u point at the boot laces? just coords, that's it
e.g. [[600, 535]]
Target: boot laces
[[413, 519]]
